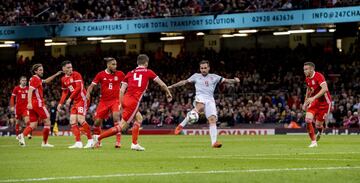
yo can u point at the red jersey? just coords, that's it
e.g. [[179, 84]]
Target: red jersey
[[138, 81], [313, 83], [75, 85], [110, 84], [37, 96], [21, 95]]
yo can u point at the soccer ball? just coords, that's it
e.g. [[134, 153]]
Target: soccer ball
[[193, 117]]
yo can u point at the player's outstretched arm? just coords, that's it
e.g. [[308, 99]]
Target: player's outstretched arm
[[164, 87], [180, 83], [49, 79], [235, 80]]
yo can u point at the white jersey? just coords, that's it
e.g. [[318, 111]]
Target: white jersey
[[205, 85]]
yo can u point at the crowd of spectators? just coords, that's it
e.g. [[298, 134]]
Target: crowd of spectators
[[271, 88], [24, 12]]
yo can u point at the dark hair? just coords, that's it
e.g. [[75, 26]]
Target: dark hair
[[310, 64], [204, 62], [108, 59], [35, 67], [142, 59], [65, 63]]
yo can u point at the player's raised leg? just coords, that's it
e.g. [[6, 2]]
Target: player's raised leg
[[199, 106]]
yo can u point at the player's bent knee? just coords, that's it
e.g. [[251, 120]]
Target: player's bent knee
[[138, 118], [33, 125], [308, 120], [212, 119], [80, 118], [319, 124]]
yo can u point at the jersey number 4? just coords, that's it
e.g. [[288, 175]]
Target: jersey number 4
[[138, 79]]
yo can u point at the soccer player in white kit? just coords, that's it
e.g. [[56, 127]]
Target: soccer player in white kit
[[205, 85]]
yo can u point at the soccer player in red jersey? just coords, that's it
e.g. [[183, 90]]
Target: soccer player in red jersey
[[73, 84], [36, 105], [110, 82], [317, 102], [19, 105], [135, 83]]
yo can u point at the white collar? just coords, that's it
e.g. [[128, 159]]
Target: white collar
[[313, 75]]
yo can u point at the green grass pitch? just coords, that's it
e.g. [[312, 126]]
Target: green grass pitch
[[185, 159]]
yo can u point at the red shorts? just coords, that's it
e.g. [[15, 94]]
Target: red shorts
[[21, 113], [38, 113], [80, 107], [105, 108], [130, 107], [319, 109]]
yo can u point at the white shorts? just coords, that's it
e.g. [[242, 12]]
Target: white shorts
[[210, 106]]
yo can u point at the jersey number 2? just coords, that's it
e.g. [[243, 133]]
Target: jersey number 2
[[138, 79]]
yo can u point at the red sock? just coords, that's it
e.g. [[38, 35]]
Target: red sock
[[87, 129], [27, 131], [76, 131], [97, 130], [46, 131], [310, 129], [110, 132], [135, 132], [17, 129], [118, 135]]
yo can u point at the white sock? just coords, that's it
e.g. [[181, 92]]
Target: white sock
[[185, 121], [213, 133]]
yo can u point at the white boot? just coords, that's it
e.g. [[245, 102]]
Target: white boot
[[77, 145], [46, 145], [21, 139], [89, 144], [137, 147], [313, 144]]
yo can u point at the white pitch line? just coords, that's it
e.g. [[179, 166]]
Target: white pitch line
[[260, 158], [175, 173], [259, 155]]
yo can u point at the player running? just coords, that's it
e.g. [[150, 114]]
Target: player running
[[36, 105], [110, 82], [317, 102], [73, 84], [135, 84], [205, 84], [18, 104]]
